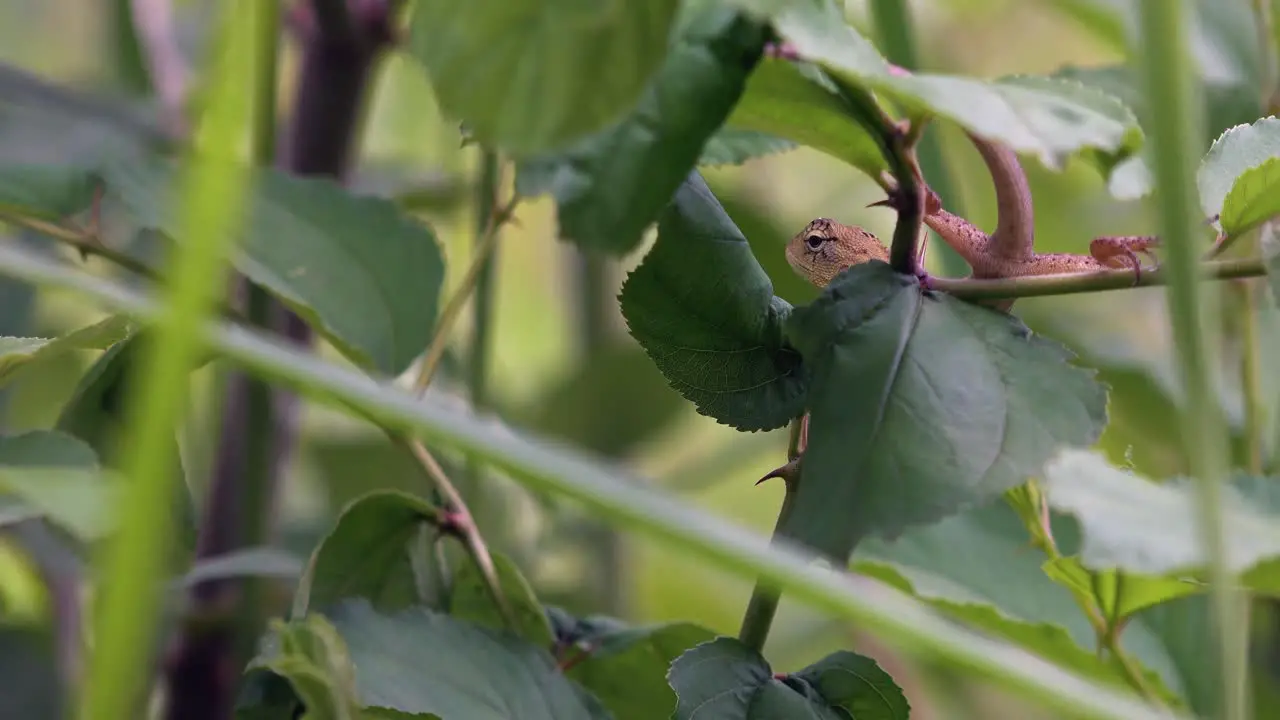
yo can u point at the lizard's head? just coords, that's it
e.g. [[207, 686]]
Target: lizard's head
[[825, 248]]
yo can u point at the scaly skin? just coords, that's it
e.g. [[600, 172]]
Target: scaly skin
[[825, 247]]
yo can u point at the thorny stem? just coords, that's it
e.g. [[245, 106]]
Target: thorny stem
[[763, 606], [460, 523], [87, 243], [1110, 640], [453, 308], [1071, 283]]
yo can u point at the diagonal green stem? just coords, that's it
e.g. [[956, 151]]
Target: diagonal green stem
[[629, 503]]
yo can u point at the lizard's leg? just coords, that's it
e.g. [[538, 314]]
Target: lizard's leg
[[1123, 251]]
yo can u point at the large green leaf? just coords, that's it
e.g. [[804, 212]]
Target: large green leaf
[[96, 414], [557, 470], [419, 661], [735, 146], [626, 668], [16, 353], [726, 680], [1237, 150], [798, 102], [53, 127], [1047, 117], [1143, 527], [48, 192], [360, 271], [1119, 595], [1254, 198], [922, 405], [856, 684], [53, 475], [705, 312], [978, 568], [375, 551], [306, 666], [471, 600], [531, 75], [611, 186]]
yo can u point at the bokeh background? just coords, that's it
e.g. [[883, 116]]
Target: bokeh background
[[561, 362]]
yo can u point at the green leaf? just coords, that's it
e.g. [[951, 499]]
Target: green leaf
[[1239, 149], [979, 569], [29, 676], [48, 192], [735, 146], [726, 680], [1254, 198], [373, 552], [1050, 118], [470, 600], [896, 370], [96, 411], [529, 75], [627, 668], [42, 124], [857, 684], [361, 272], [705, 312], [51, 474], [311, 655], [247, 562], [16, 353], [419, 661], [1185, 627], [1139, 526], [612, 185], [604, 489], [799, 103], [1120, 594]]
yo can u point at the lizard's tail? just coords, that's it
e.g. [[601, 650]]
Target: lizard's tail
[[1015, 229]]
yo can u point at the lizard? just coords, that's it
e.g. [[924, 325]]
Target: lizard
[[825, 248]]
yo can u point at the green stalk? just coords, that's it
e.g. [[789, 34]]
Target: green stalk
[[628, 503], [482, 314], [211, 203], [1255, 418], [893, 25], [1169, 80], [765, 597]]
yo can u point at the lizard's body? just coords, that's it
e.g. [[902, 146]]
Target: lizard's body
[[825, 247]]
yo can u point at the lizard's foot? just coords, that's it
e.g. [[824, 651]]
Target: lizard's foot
[[932, 203], [1123, 252]]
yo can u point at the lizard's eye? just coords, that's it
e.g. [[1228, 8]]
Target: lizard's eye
[[814, 242]]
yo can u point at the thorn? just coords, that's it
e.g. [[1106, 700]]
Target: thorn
[[789, 472], [887, 202]]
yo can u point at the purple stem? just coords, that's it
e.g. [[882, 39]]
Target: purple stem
[[206, 662]]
